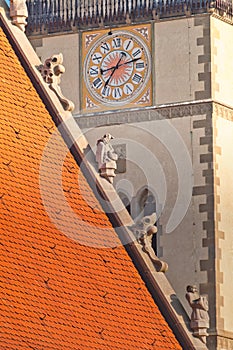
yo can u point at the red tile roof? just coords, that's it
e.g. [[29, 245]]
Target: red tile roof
[[58, 289]]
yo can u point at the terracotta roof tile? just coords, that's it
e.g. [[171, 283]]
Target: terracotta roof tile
[[60, 288]]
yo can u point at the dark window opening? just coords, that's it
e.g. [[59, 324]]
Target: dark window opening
[[148, 207], [125, 201]]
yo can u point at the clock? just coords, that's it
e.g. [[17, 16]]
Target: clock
[[116, 69]]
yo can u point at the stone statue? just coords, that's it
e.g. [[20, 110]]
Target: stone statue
[[144, 231], [199, 317], [51, 72], [106, 157]]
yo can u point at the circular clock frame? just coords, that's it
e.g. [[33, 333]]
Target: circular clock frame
[[117, 68]]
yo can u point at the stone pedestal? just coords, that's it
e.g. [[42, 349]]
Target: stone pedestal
[[19, 13], [107, 171]]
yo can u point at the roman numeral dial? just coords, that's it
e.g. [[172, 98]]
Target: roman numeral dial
[[117, 67]]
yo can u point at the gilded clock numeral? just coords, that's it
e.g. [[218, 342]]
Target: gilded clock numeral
[[137, 78], [97, 57], [97, 83], [117, 93], [106, 91], [116, 43], [136, 52], [140, 65], [128, 44], [94, 71], [105, 47], [128, 88]]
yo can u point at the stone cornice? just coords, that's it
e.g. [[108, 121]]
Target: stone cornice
[[223, 16], [156, 113], [169, 111], [223, 111]]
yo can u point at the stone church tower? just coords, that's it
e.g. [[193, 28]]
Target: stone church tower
[[158, 76]]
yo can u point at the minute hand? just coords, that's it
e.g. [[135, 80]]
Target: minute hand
[[133, 60]]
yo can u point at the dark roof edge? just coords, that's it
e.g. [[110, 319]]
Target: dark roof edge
[[156, 282]]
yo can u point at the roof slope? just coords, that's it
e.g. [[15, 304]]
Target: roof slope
[[65, 280]]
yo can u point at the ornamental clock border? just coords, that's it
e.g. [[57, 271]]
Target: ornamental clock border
[[116, 69]]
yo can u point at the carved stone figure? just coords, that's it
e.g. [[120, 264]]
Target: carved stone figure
[[51, 72], [19, 13], [106, 157], [144, 231], [199, 317]]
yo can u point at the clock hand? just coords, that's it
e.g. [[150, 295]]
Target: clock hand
[[114, 69], [108, 80], [133, 60], [105, 70]]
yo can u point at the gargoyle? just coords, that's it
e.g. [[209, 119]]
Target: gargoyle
[[51, 72], [144, 231]]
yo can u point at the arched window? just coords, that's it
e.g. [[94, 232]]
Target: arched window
[[147, 203], [147, 207], [125, 201]]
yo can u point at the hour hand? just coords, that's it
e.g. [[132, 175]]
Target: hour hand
[[110, 76], [102, 71]]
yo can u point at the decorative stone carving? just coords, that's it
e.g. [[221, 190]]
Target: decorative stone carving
[[145, 98], [144, 231], [222, 111], [90, 104], [199, 317], [106, 157], [51, 72], [89, 39], [144, 32], [19, 13]]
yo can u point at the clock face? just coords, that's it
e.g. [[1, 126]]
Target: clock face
[[117, 68]]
